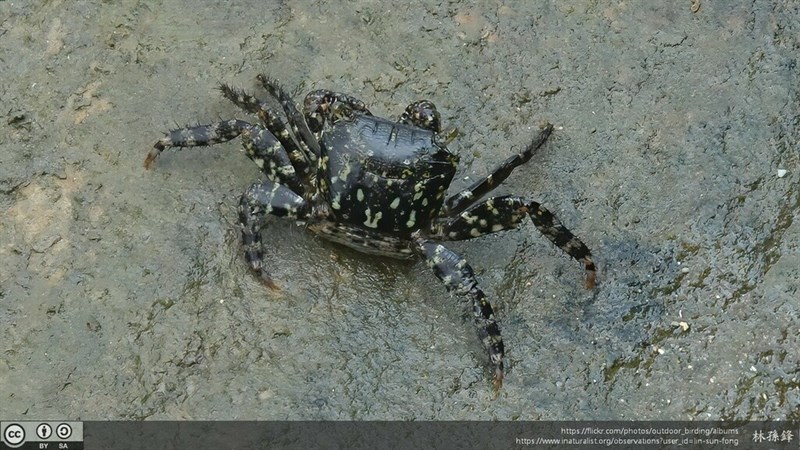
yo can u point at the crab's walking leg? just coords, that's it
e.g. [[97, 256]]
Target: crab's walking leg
[[300, 129], [200, 135], [464, 199], [458, 277], [257, 203], [275, 125], [506, 213], [266, 151]]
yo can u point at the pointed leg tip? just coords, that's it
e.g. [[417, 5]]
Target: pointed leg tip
[[269, 282], [148, 161], [591, 279], [155, 151], [497, 380]]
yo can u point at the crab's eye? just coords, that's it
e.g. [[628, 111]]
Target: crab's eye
[[422, 114]]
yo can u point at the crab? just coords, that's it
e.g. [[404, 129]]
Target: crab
[[376, 185]]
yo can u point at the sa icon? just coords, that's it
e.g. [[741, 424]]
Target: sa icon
[[63, 431]]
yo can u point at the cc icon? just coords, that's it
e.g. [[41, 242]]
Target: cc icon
[[14, 435]]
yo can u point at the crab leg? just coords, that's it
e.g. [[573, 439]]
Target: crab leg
[[296, 120], [275, 125], [462, 200], [200, 135], [459, 278], [266, 151], [259, 201], [506, 213]]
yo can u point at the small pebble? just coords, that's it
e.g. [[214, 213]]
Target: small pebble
[[684, 325], [781, 173]]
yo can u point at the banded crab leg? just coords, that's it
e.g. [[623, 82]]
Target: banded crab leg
[[197, 136], [506, 213], [464, 199], [300, 159], [258, 203], [459, 278], [296, 120]]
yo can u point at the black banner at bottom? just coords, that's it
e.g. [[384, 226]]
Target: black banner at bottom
[[369, 435]]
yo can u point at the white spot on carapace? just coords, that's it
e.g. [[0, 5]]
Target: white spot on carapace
[[372, 222], [395, 203], [419, 191], [344, 172], [412, 219], [490, 204], [360, 195]]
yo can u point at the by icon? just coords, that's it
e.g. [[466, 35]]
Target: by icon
[[44, 431], [14, 434]]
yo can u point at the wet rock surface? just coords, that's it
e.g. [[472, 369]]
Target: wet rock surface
[[123, 293]]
